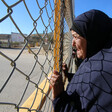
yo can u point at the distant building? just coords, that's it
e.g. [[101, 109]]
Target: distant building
[[8, 40], [17, 37], [5, 38]]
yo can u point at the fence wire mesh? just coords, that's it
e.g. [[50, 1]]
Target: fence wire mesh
[[24, 65]]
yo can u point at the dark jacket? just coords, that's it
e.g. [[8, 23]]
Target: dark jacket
[[90, 89]]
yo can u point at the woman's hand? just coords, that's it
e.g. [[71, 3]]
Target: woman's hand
[[57, 84], [65, 69]]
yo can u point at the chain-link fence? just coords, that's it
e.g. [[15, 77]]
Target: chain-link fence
[[46, 45]]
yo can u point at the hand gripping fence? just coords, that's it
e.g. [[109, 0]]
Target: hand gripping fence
[[26, 66]]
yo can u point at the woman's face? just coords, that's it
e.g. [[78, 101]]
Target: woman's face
[[80, 45]]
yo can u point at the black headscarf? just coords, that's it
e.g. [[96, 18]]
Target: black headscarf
[[96, 27]]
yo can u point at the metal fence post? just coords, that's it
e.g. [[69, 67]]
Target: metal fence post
[[56, 34]]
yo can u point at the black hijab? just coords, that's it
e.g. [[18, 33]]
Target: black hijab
[[96, 27]]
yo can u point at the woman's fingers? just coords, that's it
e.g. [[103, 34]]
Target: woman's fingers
[[56, 79], [56, 72], [65, 69], [56, 83], [64, 65]]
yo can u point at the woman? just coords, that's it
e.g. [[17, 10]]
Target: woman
[[90, 89]]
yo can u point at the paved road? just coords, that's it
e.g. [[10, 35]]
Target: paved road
[[16, 85]]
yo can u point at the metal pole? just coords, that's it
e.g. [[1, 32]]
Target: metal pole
[[56, 34]]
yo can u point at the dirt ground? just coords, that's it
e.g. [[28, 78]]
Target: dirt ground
[[13, 83]]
